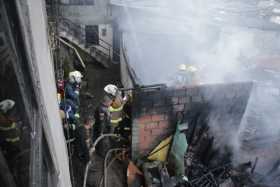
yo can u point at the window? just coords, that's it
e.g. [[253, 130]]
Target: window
[[81, 2], [92, 35], [104, 32]]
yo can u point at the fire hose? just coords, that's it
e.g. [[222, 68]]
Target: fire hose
[[92, 150], [105, 162]]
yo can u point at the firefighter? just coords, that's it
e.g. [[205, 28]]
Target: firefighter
[[70, 111], [102, 114], [84, 139], [102, 121], [116, 111], [70, 117], [72, 87], [186, 75], [9, 132]]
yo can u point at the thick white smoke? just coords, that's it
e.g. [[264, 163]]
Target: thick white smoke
[[229, 41], [220, 37]]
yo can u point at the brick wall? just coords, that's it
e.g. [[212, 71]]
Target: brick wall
[[156, 112]]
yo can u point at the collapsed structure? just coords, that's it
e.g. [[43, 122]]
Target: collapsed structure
[[217, 153]]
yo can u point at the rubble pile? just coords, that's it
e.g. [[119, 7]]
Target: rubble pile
[[208, 166]]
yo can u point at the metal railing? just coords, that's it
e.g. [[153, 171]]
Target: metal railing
[[75, 50], [78, 33]]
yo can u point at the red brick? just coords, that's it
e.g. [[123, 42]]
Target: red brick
[[146, 141], [163, 124], [158, 131], [150, 126], [145, 119], [158, 117], [142, 131], [142, 138], [143, 146]]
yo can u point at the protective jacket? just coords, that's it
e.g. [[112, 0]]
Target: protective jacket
[[9, 133], [71, 92], [102, 121], [69, 109]]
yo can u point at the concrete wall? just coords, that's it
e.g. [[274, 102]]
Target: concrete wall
[[156, 112], [34, 29], [106, 40], [128, 76], [96, 14]]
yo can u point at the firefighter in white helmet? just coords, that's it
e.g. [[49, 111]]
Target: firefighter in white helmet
[[186, 75], [72, 87], [108, 114], [9, 132], [116, 111], [116, 107], [102, 114], [111, 90]]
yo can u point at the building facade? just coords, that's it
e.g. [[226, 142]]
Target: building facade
[[27, 77]]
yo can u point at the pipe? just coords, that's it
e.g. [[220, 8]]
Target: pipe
[[86, 173], [109, 165], [75, 50], [92, 150], [145, 87], [105, 163]]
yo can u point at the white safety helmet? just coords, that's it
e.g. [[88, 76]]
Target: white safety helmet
[[188, 68], [182, 67], [75, 76], [192, 69], [7, 105], [111, 89]]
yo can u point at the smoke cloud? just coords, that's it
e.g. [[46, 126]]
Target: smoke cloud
[[229, 41], [222, 38]]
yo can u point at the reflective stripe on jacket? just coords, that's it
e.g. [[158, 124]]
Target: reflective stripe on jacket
[[9, 132], [116, 115]]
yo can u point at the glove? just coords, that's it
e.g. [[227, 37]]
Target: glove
[[72, 126], [77, 115], [125, 98], [77, 92]]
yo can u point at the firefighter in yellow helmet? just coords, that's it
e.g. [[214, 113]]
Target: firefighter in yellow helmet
[[9, 132]]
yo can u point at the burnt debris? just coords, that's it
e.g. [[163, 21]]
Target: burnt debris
[[209, 166]]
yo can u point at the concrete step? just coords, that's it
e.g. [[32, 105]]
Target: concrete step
[[94, 53]]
